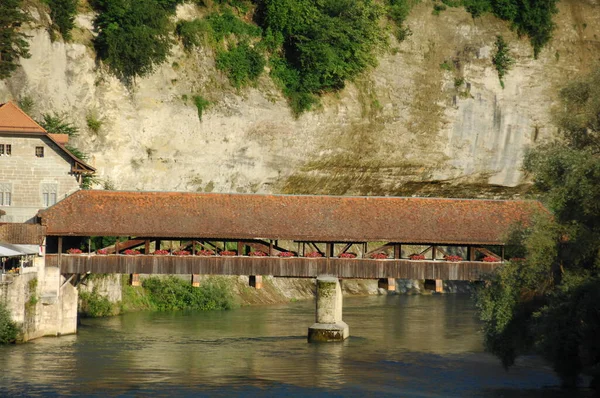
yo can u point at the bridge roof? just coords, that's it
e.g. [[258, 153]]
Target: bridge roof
[[293, 217]]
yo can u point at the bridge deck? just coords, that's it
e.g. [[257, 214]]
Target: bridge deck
[[301, 267]]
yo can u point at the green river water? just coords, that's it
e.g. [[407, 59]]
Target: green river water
[[414, 346]]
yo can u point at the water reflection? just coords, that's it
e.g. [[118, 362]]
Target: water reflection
[[400, 345]]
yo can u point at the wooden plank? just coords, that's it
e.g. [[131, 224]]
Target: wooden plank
[[286, 267]]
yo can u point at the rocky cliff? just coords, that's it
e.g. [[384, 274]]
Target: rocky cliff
[[430, 119]]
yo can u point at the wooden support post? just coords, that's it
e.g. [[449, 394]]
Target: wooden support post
[[439, 286], [134, 280], [388, 284], [256, 281], [240, 248], [397, 250], [117, 246], [147, 247], [270, 247], [195, 280], [193, 249], [298, 249], [328, 250], [433, 252], [157, 244], [502, 254], [59, 250], [365, 248], [303, 249]]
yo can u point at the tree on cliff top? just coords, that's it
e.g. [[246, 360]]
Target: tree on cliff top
[[133, 35], [13, 44], [550, 301]]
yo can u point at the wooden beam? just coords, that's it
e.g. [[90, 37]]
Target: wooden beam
[[397, 250], [147, 246]]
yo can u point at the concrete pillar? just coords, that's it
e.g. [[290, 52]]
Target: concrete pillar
[[328, 320], [439, 286], [256, 281], [387, 284], [135, 280], [195, 280]]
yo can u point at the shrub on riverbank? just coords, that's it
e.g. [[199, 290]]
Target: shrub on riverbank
[[94, 305], [173, 294], [9, 330]]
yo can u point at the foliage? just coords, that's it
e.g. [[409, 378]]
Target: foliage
[[26, 104], [502, 59], [58, 124], [549, 301], [201, 104], [323, 44], [9, 330], [532, 18], [242, 64], [172, 294], [398, 10], [189, 32], [133, 35], [416, 256], [13, 44], [93, 305], [62, 13], [93, 122], [286, 254]]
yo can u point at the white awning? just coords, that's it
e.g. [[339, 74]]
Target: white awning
[[9, 250]]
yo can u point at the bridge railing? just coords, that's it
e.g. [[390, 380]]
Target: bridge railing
[[302, 267]]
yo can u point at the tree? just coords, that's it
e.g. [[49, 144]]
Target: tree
[[13, 44], [133, 35], [550, 302]]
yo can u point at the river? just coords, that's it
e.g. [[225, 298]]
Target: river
[[414, 346]]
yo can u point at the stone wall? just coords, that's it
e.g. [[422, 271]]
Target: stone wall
[[30, 176], [40, 302]]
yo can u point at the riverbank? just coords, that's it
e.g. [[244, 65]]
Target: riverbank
[[112, 294]]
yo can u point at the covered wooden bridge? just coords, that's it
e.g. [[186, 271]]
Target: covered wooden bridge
[[281, 235]]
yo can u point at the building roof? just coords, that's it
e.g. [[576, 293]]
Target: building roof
[[308, 218], [14, 121]]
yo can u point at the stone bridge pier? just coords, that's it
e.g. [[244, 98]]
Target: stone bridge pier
[[328, 324]]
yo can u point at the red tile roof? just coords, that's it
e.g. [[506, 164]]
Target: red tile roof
[[310, 218], [14, 121]]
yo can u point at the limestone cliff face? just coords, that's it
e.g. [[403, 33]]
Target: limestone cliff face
[[407, 127]]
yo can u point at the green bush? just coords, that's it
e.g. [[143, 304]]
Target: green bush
[[94, 305], [189, 32], [58, 124], [62, 13], [173, 294], [324, 44], [502, 59], [13, 44], [242, 64], [532, 18], [134, 35], [217, 26], [201, 104], [93, 122], [9, 331]]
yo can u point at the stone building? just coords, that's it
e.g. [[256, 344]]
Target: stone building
[[36, 170]]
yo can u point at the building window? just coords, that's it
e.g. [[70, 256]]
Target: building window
[[5, 194], [49, 194], [5, 149], [39, 151]]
